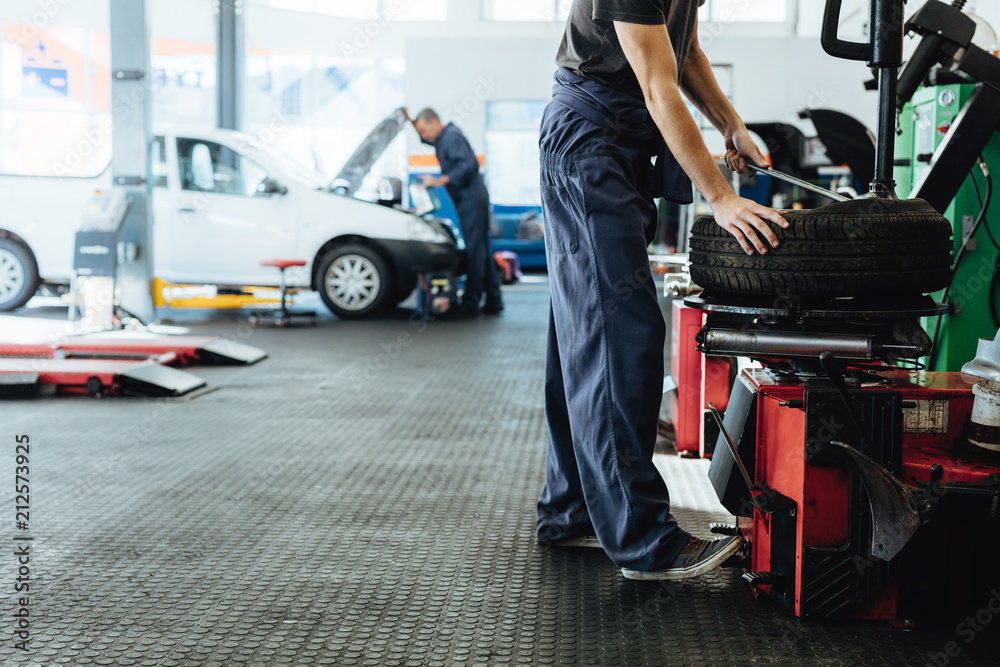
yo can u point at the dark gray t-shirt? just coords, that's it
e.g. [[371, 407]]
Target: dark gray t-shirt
[[590, 46]]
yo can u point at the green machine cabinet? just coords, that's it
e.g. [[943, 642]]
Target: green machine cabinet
[[924, 122]]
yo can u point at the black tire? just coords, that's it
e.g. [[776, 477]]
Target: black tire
[[854, 248], [18, 275], [369, 293]]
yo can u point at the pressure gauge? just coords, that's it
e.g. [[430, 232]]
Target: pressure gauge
[[946, 98]]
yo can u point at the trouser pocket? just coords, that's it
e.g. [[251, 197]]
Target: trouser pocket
[[561, 223]]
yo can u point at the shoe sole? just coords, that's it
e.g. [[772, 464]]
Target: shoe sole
[[675, 574], [580, 541]]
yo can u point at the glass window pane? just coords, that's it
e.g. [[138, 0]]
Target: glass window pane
[[741, 10], [184, 82], [418, 10], [519, 10], [512, 152], [206, 166], [183, 63], [353, 9], [55, 115], [294, 5]]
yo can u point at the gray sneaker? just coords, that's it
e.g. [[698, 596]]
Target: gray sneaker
[[696, 558]]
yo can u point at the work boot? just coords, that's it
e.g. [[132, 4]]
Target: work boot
[[492, 309], [464, 310], [696, 558]]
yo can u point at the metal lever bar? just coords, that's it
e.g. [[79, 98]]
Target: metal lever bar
[[806, 185], [732, 448]]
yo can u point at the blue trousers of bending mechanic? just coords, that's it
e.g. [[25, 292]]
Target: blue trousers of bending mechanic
[[604, 362], [474, 217]]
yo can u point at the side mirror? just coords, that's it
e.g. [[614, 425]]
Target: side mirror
[[272, 187]]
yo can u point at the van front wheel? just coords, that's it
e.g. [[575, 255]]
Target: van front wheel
[[354, 281], [18, 275]]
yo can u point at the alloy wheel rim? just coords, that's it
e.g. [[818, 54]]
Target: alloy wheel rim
[[353, 282], [11, 276]]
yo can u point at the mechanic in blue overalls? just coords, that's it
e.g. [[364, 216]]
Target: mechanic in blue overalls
[[460, 176], [617, 103]]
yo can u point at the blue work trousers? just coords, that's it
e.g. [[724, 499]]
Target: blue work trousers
[[474, 217], [604, 362]]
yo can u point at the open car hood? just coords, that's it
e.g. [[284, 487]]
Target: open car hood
[[357, 167]]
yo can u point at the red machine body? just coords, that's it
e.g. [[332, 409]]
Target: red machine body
[[816, 548], [699, 380]]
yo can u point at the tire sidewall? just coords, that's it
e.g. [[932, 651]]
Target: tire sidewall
[[375, 260], [29, 269]]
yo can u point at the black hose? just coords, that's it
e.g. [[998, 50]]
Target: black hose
[[996, 266], [979, 198]]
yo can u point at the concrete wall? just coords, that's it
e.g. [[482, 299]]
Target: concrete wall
[[773, 78], [458, 76]]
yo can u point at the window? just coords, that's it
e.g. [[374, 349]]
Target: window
[[419, 10], [184, 82], [512, 151], [183, 63], [748, 11], [383, 10], [206, 166], [55, 100], [526, 10]]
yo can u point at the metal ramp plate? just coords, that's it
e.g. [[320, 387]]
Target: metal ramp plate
[[140, 346], [157, 380], [223, 351], [18, 385], [148, 378]]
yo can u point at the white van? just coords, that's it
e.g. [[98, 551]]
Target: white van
[[222, 202]]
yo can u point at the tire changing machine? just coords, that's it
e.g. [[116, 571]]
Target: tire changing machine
[[852, 476]]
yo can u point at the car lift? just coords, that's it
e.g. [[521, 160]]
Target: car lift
[[117, 363], [854, 482]]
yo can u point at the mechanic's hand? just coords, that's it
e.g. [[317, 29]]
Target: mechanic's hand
[[740, 148], [744, 219]]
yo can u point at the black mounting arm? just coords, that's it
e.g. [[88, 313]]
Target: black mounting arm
[[944, 31], [946, 38], [883, 52]]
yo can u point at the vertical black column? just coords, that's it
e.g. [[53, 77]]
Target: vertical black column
[[886, 28]]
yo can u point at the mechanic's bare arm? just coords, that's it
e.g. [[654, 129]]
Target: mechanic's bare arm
[[649, 52], [699, 85]]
